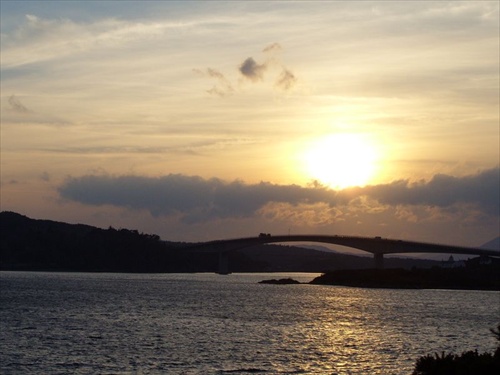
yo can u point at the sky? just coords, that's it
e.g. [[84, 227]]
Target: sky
[[209, 120]]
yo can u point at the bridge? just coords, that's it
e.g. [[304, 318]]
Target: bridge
[[376, 245]]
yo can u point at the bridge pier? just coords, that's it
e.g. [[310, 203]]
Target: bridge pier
[[379, 260], [223, 263]]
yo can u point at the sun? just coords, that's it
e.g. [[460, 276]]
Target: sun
[[341, 160]]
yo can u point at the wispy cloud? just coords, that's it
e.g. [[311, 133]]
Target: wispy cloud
[[17, 106], [286, 80], [42, 39], [275, 47], [16, 112], [222, 87]]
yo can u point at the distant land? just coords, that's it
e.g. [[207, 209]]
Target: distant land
[[494, 244], [45, 245], [476, 275]]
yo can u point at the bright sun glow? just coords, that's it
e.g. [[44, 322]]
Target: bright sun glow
[[341, 160]]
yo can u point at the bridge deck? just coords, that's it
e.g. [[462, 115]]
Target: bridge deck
[[376, 245]]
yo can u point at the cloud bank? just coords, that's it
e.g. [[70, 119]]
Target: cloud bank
[[196, 199]]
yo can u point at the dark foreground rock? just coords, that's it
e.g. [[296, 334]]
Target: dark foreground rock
[[279, 281]]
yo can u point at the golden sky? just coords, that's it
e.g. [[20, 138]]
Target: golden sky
[[204, 120]]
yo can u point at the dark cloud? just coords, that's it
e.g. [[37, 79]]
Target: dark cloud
[[17, 106], [198, 199], [252, 70], [161, 196], [443, 191], [193, 197]]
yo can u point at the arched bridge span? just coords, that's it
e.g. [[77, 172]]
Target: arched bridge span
[[376, 245]]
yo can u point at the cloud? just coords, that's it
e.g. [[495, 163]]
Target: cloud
[[45, 176], [17, 113], [443, 191], [222, 88], [196, 199], [39, 39], [286, 80], [275, 47], [188, 148], [252, 70], [17, 106]]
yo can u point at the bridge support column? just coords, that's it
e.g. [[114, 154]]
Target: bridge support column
[[379, 260], [223, 263]]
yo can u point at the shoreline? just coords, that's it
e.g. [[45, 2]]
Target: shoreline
[[483, 278]]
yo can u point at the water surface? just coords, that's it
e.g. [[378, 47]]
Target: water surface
[[84, 323]]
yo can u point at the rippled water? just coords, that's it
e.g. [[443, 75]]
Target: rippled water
[[81, 323]]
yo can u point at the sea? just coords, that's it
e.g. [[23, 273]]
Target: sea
[[112, 323]]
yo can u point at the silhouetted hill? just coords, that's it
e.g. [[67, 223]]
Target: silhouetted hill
[[281, 258], [29, 244], [494, 244]]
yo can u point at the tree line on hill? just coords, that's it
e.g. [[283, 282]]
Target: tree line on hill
[[28, 244]]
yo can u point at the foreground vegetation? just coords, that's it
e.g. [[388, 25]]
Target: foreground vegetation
[[467, 363]]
